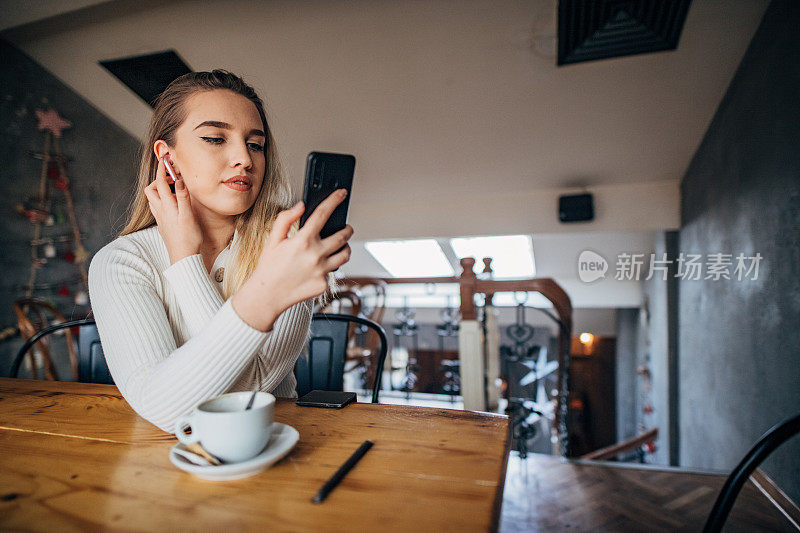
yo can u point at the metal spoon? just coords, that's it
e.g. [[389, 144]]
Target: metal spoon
[[199, 450], [252, 399], [192, 457]]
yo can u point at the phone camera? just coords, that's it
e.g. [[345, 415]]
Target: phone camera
[[318, 172]]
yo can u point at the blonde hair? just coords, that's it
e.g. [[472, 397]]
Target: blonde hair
[[252, 226]]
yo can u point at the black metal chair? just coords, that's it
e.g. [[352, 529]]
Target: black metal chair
[[331, 336], [92, 367], [773, 438]]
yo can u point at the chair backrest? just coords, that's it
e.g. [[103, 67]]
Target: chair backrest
[[91, 361], [773, 438], [35, 315], [323, 368], [92, 366]]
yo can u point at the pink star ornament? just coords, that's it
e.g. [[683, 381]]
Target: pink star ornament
[[50, 120]]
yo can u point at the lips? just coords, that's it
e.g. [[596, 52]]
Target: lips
[[238, 183]]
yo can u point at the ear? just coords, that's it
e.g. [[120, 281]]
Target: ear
[[160, 148]]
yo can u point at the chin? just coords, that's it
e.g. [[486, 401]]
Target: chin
[[233, 209]]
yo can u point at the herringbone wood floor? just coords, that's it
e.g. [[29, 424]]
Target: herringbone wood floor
[[545, 493]]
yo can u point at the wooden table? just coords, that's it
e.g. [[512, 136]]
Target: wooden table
[[75, 457]]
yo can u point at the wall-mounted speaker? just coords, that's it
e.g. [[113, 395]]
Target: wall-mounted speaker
[[576, 208]]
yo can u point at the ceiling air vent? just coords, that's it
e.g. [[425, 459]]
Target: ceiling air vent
[[599, 29], [147, 75]]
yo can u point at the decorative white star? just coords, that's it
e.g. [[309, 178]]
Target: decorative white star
[[51, 120]]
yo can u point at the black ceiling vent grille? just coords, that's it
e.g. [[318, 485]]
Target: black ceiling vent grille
[[599, 29], [148, 75]]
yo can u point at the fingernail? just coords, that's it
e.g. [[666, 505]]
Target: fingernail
[[342, 192]]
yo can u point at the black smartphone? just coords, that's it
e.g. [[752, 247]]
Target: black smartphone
[[326, 173], [329, 399]]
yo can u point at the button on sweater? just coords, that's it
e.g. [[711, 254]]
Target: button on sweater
[[170, 339]]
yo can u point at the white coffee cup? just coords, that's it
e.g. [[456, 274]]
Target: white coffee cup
[[226, 430]]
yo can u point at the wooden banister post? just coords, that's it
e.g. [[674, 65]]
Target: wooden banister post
[[491, 346], [470, 342], [487, 273], [467, 284]]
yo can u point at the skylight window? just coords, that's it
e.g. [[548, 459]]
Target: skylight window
[[530, 299], [420, 258], [512, 255]]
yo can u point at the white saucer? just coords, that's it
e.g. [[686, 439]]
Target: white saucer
[[281, 442]]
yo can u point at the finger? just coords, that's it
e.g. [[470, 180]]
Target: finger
[[152, 193], [161, 170], [153, 201], [182, 197], [323, 211], [154, 209], [338, 259], [333, 243], [283, 223], [163, 190]]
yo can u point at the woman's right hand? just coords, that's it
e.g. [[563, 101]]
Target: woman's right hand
[[293, 269], [174, 216]]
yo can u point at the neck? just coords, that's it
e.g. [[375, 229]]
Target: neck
[[217, 234]]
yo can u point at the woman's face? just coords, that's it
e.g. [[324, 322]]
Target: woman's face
[[219, 152]]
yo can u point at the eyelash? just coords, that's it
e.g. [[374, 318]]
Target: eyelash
[[213, 140]]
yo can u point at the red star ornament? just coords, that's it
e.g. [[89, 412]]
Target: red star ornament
[[52, 121]]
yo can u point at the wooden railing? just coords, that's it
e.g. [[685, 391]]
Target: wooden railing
[[626, 446], [470, 285]]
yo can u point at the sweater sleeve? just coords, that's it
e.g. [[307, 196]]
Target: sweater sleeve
[[198, 298], [284, 344], [160, 380]]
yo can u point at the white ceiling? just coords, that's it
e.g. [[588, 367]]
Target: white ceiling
[[460, 121]]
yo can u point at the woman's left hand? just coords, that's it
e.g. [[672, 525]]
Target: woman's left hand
[[292, 269]]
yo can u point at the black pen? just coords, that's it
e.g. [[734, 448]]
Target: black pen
[[329, 485]]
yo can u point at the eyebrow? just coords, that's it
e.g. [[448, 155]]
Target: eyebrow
[[226, 126]]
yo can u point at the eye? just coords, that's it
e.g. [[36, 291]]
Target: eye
[[213, 140], [255, 147]]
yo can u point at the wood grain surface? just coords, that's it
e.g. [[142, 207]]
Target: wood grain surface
[[546, 493], [76, 457]]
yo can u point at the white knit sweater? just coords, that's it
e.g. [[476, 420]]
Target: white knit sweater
[[171, 341]]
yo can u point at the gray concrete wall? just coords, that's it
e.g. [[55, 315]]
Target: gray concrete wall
[[627, 391], [739, 355], [102, 171], [658, 353]]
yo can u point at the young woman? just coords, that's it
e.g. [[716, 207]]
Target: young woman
[[208, 289]]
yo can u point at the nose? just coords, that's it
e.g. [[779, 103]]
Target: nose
[[241, 156]]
